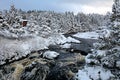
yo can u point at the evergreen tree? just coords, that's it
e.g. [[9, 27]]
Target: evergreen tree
[[107, 51]]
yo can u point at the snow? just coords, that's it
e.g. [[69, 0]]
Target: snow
[[95, 34], [90, 58], [101, 53], [104, 33], [93, 73], [66, 45], [87, 35], [87, 60], [118, 64], [61, 39], [22, 47], [107, 33], [57, 39], [70, 39], [50, 54]]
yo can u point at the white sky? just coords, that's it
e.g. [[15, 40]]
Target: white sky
[[86, 6]]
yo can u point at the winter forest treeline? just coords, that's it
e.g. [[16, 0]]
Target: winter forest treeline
[[45, 23]]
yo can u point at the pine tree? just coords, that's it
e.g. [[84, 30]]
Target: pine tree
[[12, 15]]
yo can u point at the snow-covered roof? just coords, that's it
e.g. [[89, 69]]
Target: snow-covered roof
[[23, 20]]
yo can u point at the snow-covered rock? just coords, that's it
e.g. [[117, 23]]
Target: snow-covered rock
[[50, 54]]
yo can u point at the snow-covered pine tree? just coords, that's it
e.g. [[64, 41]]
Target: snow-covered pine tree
[[107, 51], [12, 15]]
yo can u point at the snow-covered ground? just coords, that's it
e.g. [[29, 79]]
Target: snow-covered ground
[[93, 73]]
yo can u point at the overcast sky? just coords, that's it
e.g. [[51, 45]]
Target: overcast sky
[[86, 6]]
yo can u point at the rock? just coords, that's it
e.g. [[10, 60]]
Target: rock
[[54, 47], [6, 73], [35, 71], [17, 73], [35, 55], [74, 61], [50, 55], [60, 73]]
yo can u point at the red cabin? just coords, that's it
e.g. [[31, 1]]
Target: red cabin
[[23, 22]]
